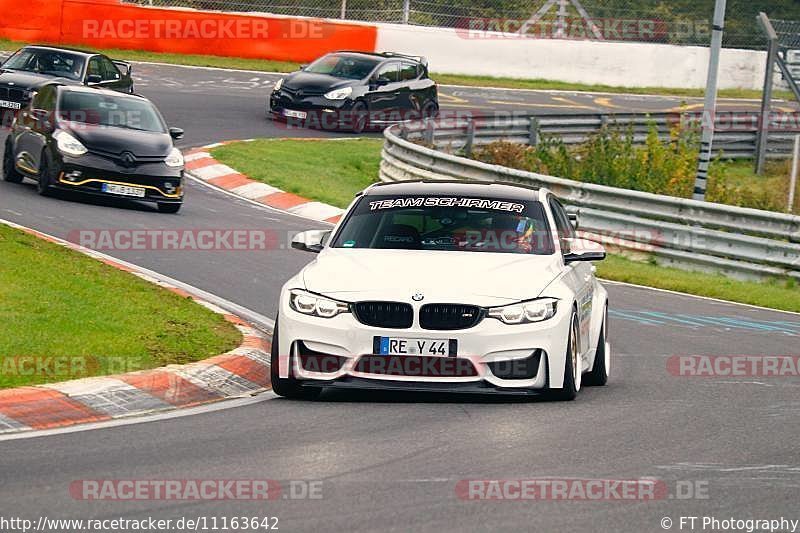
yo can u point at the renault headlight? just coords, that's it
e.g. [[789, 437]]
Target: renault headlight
[[339, 94], [69, 145], [174, 159], [525, 312], [278, 85], [316, 305]]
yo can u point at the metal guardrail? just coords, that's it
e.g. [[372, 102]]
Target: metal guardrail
[[736, 134], [741, 242]]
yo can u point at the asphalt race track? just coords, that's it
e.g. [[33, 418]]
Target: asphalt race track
[[390, 462]]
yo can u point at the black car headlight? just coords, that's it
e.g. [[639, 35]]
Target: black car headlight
[[68, 144], [315, 305], [339, 94], [537, 310], [174, 159]]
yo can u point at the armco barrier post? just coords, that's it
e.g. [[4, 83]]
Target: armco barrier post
[[766, 99], [793, 180], [429, 131], [533, 131], [470, 137]]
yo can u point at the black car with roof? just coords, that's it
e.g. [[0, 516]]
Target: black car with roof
[[96, 141], [356, 91], [32, 67]]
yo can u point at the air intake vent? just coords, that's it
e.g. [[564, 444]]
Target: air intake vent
[[394, 315], [449, 316]]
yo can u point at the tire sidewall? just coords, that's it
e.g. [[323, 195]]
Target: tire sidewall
[[360, 123]]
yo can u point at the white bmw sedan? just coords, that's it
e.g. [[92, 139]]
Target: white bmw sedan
[[445, 286]]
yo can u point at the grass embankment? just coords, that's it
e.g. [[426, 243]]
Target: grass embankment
[[777, 294], [327, 171], [91, 319], [265, 65], [333, 171]]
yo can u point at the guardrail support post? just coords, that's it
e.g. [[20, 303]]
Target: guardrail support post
[[793, 180], [430, 129], [470, 137], [766, 99], [533, 132], [710, 103]]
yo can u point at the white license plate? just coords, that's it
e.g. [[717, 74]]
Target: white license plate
[[123, 190], [10, 105], [404, 346], [294, 114]]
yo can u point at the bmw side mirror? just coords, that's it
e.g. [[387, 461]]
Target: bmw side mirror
[[176, 133], [578, 250], [311, 241], [93, 79]]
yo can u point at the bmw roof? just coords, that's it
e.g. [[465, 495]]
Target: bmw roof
[[60, 49], [445, 187]]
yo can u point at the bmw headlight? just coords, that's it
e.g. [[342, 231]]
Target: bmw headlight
[[525, 312], [69, 145], [316, 305], [174, 159], [339, 94], [278, 85]]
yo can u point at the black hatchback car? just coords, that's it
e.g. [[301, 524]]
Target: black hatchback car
[[356, 91], [32, 67], [98, 142]]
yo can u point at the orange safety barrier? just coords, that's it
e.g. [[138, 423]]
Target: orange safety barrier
[[111, 24]]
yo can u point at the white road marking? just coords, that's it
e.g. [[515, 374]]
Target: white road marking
[[708, 298]]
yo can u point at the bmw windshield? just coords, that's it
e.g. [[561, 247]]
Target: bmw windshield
[[343, 66], [442, 223], [48, 62]]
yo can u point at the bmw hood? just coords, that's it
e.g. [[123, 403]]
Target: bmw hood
[[112, 140], [314, 83], [477, 278], [29, 80]]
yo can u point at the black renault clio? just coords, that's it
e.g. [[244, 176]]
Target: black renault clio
[[98, 142], [356, 91]]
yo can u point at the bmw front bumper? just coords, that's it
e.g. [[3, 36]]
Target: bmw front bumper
[[491, 356]]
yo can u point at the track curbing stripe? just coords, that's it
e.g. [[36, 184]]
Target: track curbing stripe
[[202, 165], [104, 398]]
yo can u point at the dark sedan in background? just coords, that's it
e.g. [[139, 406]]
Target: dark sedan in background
[[98, 142], [356, 91], [32, 67]]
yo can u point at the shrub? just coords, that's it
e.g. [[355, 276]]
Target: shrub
[[609, 157]]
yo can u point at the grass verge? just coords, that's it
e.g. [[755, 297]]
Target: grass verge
[[333, 171], [266, 65], [777, 294], [91, 319], [327, 171]]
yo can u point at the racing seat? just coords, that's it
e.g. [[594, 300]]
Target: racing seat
[[399, 237]]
